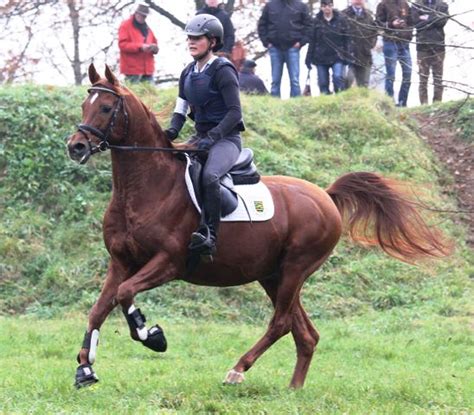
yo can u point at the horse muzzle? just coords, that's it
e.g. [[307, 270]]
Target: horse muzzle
[[79, 149]]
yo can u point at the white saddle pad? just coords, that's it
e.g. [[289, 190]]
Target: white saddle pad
[[255, 201]]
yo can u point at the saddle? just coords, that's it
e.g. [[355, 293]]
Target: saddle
[[244, 171]]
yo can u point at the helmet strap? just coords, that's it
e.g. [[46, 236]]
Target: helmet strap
[[207, 52], [203, 55]]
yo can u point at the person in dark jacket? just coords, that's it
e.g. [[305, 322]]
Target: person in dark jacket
[[395, 18], [430, 17], [212, 8], [209, 90], [363, 37], [248, 81], [329, 47], [283, 28]]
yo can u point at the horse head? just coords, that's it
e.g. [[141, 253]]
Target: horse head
[[106, 118]]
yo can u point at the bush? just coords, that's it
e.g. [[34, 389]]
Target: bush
[[51, 249]]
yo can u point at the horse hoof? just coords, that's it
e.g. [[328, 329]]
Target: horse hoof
[[85, 376], [233, 378], [156, 339]]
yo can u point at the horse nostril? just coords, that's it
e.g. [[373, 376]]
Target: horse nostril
[[79, 148]]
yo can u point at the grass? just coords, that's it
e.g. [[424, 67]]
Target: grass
[[393, 362], [395, 339]]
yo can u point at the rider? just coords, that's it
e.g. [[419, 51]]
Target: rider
[[209, 89]]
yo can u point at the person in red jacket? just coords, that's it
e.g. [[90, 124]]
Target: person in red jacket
[[137, 45]]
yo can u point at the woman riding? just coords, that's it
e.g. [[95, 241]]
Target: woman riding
[[209, 90]]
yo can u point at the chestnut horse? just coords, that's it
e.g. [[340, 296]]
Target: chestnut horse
[[150, 218]]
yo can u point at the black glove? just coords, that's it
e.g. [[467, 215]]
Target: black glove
[[205, 143], [171, 133]]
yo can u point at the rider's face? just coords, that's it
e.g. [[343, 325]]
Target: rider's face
[[198, 45]]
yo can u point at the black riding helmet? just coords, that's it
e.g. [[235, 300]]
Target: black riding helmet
[[208, 25]]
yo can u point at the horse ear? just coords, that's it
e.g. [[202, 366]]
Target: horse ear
[[110, 76], [93, 75]]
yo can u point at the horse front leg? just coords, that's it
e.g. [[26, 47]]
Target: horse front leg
[[157, 271], [85, 375]]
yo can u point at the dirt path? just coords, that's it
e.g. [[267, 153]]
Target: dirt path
[[439, 131]]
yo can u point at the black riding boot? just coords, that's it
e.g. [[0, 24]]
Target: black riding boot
[[203, 241]]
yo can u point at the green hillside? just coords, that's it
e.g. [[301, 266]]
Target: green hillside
[[51, 252]]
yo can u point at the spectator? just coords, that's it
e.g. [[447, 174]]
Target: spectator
[[212, 8], [283, 28], [329, 47], [137, 45], [238, 55], [248, 81], [394, 16], [363, 37], [430, 17]]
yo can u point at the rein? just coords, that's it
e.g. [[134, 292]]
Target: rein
[[103, 136], [136, 148]]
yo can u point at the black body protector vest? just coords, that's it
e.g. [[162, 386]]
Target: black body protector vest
[[206, 102]]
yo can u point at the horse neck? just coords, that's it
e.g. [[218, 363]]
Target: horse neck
[[138, 174]]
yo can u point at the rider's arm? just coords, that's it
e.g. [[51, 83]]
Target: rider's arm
[[179, 114], [227, 83]]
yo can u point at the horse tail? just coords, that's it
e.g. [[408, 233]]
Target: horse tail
[[378, 214]]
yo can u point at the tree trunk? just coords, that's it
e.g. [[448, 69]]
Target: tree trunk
[[76, 61]]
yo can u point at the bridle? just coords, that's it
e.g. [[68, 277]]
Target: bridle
[[103, 134]]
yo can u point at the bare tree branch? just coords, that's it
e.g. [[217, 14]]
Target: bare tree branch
[[173, 19]]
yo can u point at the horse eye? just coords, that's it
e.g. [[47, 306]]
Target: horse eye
[[105, 109]]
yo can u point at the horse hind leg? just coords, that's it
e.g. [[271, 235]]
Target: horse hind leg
[[289, 316], [270, 285], [283, 292], [306, 338], [305, 335]]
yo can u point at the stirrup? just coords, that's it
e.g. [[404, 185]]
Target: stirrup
[[202, 242]]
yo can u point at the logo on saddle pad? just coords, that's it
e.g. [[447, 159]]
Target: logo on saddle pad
[[259, 206]]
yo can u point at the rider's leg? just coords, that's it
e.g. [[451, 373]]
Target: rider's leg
[[222, 156]]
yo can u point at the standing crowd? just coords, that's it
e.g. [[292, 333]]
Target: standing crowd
[[339, 43]]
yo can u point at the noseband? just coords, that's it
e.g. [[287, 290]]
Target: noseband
[[103, 134]]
